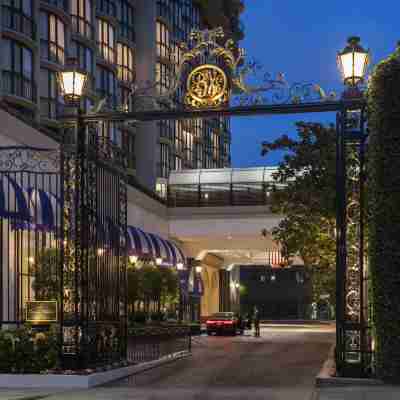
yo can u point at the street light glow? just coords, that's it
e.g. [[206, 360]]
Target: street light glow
[[72, 82], [353, 62]]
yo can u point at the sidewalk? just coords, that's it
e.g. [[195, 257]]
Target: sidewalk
[[22, 394], [358, 393]]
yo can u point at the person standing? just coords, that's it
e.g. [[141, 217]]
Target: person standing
[[256, 322]]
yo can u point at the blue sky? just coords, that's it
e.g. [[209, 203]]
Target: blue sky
[[301, 39]]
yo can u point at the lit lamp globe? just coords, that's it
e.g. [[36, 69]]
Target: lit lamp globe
[[353, 63], [72, 82], [159, 260], [199, 269], [133, 259], [180, 266]]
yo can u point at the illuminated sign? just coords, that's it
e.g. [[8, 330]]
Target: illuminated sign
[[207, 86], [41, 312]]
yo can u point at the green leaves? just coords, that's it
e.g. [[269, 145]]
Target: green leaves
[[384, 212]]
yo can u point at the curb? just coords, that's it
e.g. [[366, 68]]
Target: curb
[[327, 375], [56, 381]]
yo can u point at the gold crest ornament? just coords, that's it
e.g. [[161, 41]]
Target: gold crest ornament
[[207, 86]]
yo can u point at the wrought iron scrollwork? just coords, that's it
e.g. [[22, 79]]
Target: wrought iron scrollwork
[[17, 159]]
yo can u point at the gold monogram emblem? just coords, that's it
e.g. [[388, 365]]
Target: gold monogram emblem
[[207, 86]]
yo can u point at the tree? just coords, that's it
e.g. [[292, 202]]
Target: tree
[[305, 194]]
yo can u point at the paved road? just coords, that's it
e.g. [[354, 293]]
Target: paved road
[[282, 364]]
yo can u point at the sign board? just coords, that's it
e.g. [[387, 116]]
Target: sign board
[[325, 296], [41, 312]]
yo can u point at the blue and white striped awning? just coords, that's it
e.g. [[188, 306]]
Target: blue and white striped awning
[[45, 210], [13, 199], [141, 243]]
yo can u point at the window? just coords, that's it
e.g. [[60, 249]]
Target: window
[[106, 85], [126, 23], [106, 41], [164, 161], [125, 63], [49, 96], [18, 70], [162, 77], [52, 38], [17, 15], [163, 49], [107, 7], [81, 13], [84, 55]]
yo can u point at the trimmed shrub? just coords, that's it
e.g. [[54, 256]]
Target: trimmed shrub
[[384, 208]]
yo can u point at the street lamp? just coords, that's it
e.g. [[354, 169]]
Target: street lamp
[[353, 63], [72, 82], [133, 259], [159, 260]]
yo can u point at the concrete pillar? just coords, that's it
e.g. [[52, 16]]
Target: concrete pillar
[[147, 135]]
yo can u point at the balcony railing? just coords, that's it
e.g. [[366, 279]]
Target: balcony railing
[[51, 108], [16, 84], [14, 19], [63, 4]]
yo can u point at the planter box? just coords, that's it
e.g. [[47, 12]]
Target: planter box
[[82, 381]]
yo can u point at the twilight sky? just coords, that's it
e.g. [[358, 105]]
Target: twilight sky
[[301, 39]]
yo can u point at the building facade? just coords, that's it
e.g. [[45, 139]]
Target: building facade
[[118, 43]]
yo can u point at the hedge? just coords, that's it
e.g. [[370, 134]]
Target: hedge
[[384, 208]]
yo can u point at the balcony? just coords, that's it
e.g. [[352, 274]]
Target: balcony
[[16, 84], [51, 108], [16, 20], [62, 4]]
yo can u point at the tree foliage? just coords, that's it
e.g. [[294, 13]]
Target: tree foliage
[[304, 193]]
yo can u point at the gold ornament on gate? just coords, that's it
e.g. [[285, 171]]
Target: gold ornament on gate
[[207, 86]]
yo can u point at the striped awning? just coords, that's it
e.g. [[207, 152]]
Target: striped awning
[[13, 199], [141, 243], [45, 210]]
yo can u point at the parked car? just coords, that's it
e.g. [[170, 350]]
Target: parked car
[[222, 322]]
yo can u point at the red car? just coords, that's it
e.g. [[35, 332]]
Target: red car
[[222, 322]]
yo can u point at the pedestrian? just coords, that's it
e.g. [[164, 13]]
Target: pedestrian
[[256, 323], [240, 324]]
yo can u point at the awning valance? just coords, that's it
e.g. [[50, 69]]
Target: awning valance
[[141, 243]]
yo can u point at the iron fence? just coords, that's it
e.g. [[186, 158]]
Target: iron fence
[[153, 343]]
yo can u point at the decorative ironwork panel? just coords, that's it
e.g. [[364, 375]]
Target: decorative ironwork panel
[[354, 352], [95, 217], [30, 227]]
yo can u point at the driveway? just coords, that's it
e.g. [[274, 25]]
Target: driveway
[[281, 364]]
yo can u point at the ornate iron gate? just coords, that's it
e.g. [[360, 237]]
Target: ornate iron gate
[[93, 312]]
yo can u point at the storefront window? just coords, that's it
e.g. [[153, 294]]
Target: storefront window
[[105, 41], [52, 38]]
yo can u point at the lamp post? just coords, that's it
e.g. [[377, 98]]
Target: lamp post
[[180, 267], [353, 62]]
